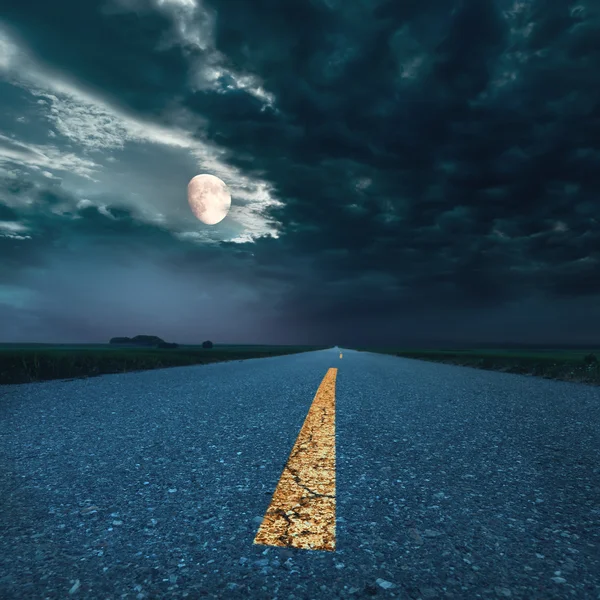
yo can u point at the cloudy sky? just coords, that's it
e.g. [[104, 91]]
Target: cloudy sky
[[401, 173]]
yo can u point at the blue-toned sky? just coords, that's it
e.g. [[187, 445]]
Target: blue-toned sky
[[401, 172]]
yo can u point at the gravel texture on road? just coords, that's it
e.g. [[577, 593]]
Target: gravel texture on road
[[452, 482]]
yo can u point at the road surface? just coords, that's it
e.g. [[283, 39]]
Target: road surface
[[451, 483]]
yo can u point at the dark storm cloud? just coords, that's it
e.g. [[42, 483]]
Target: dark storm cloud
[[482, 159], [111, 51], [429, 155], [7, 213]]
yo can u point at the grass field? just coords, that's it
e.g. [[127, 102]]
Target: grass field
[[550, 363], [26, 363]]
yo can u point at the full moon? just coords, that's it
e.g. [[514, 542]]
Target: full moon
[[209, 198]]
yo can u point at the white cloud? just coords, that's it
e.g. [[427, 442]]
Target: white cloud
[[38, 157], [84, 203], [560, 226], [12, 226], [9, 52], [14, 230], [363, 183], [197, 236], [185, 4], [85, 123], [194, 24]]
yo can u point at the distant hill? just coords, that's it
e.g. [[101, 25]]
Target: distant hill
[[142, 340]]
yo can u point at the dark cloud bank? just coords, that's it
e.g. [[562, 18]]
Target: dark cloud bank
[[438, 164]]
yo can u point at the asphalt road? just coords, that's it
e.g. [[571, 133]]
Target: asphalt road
[[451, 483]]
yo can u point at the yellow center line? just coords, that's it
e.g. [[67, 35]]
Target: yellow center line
[[302, 510]]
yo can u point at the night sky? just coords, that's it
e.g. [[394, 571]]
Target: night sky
[[402, 172]]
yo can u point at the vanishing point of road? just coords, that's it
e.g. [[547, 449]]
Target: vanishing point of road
[[449, 482]]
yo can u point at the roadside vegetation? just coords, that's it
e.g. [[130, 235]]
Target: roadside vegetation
[[580, 366], [26, 363]]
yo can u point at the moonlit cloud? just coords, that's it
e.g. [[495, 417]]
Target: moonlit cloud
[[37, 157], [93, 125]]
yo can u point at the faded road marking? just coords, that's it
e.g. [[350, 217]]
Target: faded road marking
[[302, 510]]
